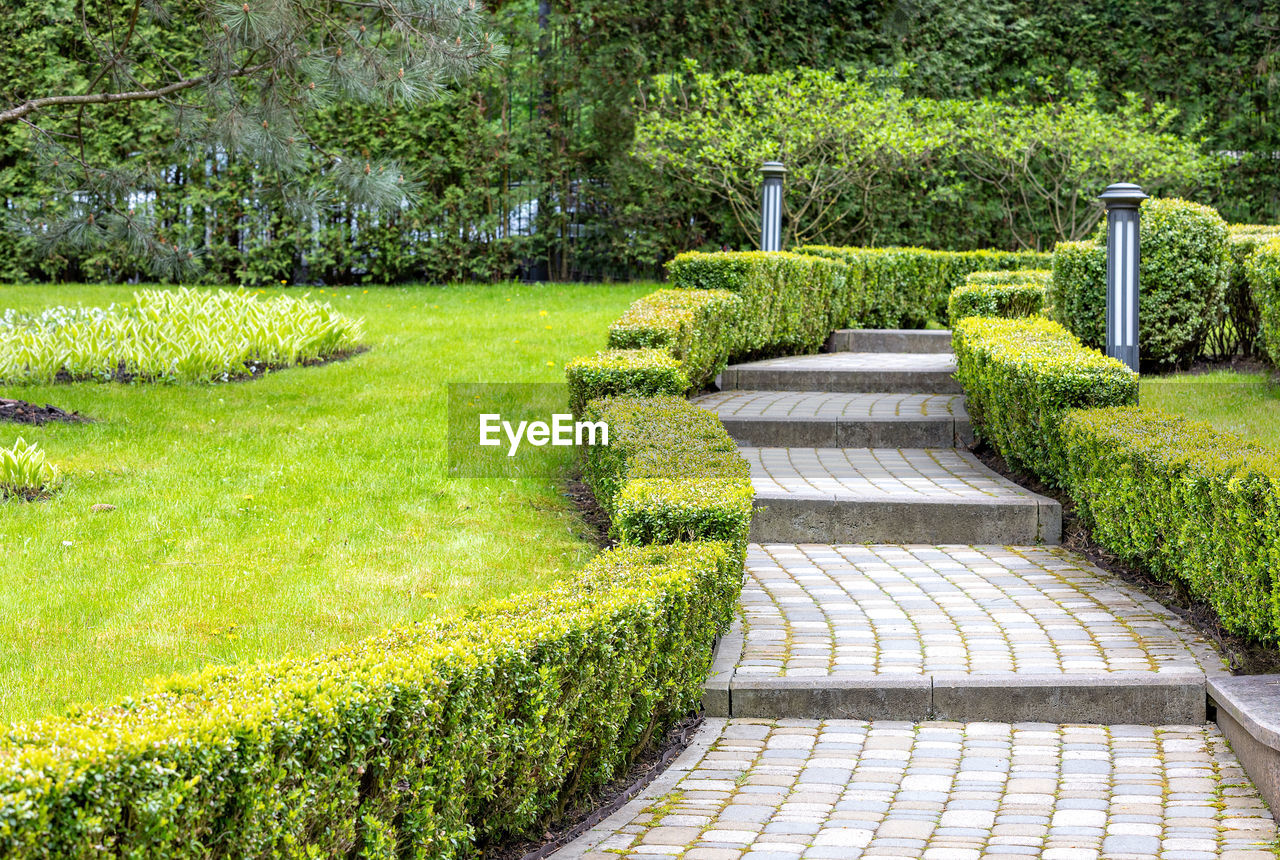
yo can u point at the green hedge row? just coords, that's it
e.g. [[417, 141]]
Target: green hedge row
[[623, 371], [669, 473], [1021, 375], [698, 328], [1185, 270], [909, 287], [1244, 311], [1188, 503], [999, 294], [1262, 271], [424, 742], [790, 302]]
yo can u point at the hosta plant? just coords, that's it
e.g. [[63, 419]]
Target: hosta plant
[[25, 471]]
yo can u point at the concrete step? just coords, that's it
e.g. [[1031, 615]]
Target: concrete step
[[892, 495], [860, 372], [999, 633], [889, 340], [823, 419]]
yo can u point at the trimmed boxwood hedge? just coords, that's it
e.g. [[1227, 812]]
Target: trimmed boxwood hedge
[[909, 287], [1262, 269], [1187, 502], [669, 473], [1021, 375], [790, 303], [623, 371], [999, 294], [697, 327]]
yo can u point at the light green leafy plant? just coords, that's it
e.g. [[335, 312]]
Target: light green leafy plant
[[174, 336], [25, 471]]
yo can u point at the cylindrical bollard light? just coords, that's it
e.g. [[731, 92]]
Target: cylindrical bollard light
[[771, 206], [1122, 200]]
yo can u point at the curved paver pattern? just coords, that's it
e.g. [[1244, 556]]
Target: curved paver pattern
[[789, 789], [872, 474], [830, 405], [816, 610]]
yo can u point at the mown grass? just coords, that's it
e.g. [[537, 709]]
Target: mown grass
[[1247, 404], [293, 512]]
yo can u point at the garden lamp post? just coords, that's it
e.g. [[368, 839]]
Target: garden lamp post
[[1122, 201], [771, 206]]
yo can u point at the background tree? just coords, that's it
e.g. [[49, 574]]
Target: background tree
[[223, 80]]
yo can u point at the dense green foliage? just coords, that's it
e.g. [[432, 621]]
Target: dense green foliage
[[669, 473], [696, 326], [25, 470], [1188, 503], [1240, 329], [790, 303], [623, 371], [419, 743], [174, 336], [1021, 376], [1262, 270], [909, 287], [999, 294], [1185, 270], [554, 124]]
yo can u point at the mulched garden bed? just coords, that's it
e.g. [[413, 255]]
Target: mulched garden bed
[[22, 412], [1244, 656], [578, 820], [590, 511]]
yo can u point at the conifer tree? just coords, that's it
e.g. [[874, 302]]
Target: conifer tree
[[244, 91]]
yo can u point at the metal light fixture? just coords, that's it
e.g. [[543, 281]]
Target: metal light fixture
[[771, 206], [1122, 201]]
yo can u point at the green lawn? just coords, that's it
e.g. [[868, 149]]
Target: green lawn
[[288, 513], [1242, 403]]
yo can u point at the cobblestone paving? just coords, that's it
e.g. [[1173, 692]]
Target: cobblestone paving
[[830, 405], [788, 789], [885, 362], [941, 474], [815, 610]]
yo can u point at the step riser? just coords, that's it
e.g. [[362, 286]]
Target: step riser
[[1008, 699], [800, 520], [889, 340], [847, 381], [856, 433]]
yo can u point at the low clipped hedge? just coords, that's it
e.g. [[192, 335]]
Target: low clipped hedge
[[909, 287], [421, 743], [1190, 504], [1020, 376], [697, 327], [1185, 269], [999, 294], [1262, 270], [623, 371], [669, 473], [790, 302]]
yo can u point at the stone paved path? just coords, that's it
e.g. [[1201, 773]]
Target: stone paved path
[[960, 700]]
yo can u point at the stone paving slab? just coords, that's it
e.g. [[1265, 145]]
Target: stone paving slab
[[891, 495], [790, 789], [865, 372], [829, 419], [889, 340]]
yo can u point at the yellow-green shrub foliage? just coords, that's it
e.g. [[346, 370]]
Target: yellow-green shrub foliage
[[695, 326], [999, 294], [623, 371], [909, 287], [1185, 268], [790, 303], [1021, 375], [1243, 313], [423, 742], [175, 335], [1186, 502], [669, 473], [1262, 268]]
